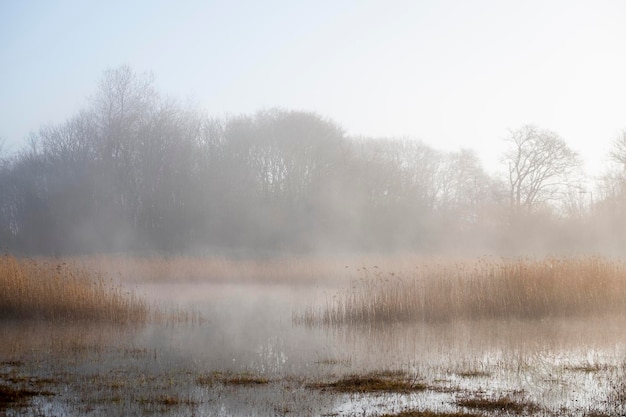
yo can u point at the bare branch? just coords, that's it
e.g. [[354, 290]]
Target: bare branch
[[539, 163], [618, 153]]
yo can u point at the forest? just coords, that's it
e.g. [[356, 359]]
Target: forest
[[138, 172]]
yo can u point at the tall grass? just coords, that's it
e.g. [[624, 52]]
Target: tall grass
[[291, 270], [523, 288], [171, 269], [58, 291]]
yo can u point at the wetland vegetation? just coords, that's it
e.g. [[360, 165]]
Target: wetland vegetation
[[264, 347], [53, 290], [482, 289], [164, 261]]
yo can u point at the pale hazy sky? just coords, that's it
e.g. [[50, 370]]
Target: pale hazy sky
[[451, 73]]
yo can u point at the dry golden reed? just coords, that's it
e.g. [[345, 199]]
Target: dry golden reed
[[45, 289], [290, 270], [482, 289], [171, 269], [293, 270]]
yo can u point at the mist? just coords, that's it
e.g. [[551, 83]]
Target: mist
[[136, 172], [325, 209]]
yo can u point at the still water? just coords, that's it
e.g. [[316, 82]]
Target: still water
[[564, 366]]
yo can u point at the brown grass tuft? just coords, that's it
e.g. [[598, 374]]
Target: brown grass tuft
[[170, 400], [507, 404], [240, 379], [417, 413], [17, 397], [384, 381]]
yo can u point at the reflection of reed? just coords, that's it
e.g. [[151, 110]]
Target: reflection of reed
[[74, 340], [524, 288], [481, 345], [555, 362]]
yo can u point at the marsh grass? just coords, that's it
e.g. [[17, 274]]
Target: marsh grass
[[292, 270], [426, 413], [46, 290], [237, 379], [167, 400], [587, 368], [334, 362], [171, 269], [11, 397], [473, 374], [483, 289], [502, 404], [17, 389], [384, 381]]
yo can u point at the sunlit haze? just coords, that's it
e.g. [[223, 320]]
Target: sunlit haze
[[454, 74], [313, 208]]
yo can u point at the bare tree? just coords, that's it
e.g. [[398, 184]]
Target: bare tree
[[540, 166], [613, 183], [618, 153]]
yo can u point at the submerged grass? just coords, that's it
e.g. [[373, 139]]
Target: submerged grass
[[44, 289], [16, 389], [484, 289], [506, 404], [11, 397], [240, 379], [384, 381], [425, 413]]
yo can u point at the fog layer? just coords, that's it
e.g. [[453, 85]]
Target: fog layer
[[136, 172]]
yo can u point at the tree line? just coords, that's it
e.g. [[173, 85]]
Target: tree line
[[134, 171]]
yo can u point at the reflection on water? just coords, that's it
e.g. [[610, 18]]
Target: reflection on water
[[25, 340], [558, 364]]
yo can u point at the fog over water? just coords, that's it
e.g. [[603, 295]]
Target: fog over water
[[559, 364], [304, 193]]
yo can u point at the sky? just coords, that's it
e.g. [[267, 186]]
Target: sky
[[454, 74]]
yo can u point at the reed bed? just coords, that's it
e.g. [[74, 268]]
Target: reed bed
[[292, 270], [482, 289], [43, 289], [171, 269]]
